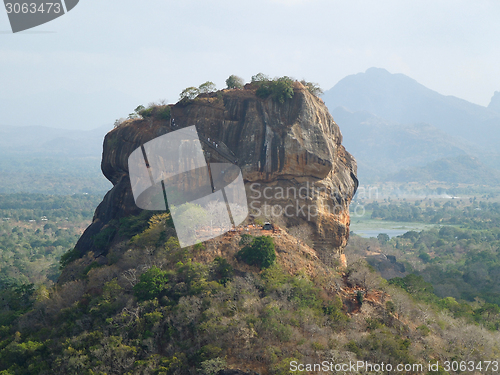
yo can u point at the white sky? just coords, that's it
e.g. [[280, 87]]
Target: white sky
[[102, 59]]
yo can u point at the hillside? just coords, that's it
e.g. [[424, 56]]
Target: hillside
[[155, 308]]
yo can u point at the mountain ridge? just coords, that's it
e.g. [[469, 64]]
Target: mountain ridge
[[392, 123], [399, 98]]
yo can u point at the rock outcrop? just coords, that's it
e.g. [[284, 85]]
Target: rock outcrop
[[291, 156]]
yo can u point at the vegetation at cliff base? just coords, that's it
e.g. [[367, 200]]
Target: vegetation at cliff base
[[156, 308]]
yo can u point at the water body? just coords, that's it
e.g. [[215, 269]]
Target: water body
[[375, 232], [367, 228]]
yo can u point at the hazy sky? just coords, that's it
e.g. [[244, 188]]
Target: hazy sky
[[102, 59]]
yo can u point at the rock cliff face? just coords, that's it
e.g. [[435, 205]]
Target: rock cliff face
[[296, 171]]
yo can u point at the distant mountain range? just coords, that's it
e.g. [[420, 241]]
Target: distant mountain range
[[463, 169], [42, 141], [51, 161], [392, 125], [397, 129], [73, 109]]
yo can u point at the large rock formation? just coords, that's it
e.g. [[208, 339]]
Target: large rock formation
[[290, 154]]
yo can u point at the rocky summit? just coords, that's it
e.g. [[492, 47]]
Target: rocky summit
[[295, 169]]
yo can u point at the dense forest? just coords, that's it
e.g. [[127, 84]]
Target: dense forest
[[154, 308], [35, 231]]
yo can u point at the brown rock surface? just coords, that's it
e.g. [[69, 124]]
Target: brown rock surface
[[291, 154]]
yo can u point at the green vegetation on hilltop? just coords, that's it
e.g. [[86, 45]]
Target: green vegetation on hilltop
[[279, 89], [234, 82]]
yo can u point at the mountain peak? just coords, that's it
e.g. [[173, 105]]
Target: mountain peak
[[495, 102], [374, 70], [399, 98]]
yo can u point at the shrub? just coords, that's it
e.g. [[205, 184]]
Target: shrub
[[259, 77], [313, 88], [425, 257], [132, 225], [207, 87], [212, 366], [383, 238], [119, 122], [373, 324], [152, 284], [69, 257], [246, 239], [424, 330], [189, 93], [146, 112], [90, 267], [353, 347], [234, 82], [333, 309], [162, 112], [104, 238], [156, 234], [304, 293], [359, 297], [390, 306], [279, 89], [198, 246], [223, 271], [259, 253]]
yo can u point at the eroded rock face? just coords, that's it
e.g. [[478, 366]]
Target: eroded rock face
[[290, 154]]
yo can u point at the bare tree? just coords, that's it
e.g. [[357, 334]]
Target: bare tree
[[131, 276], [363, 277], [402, 302]]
